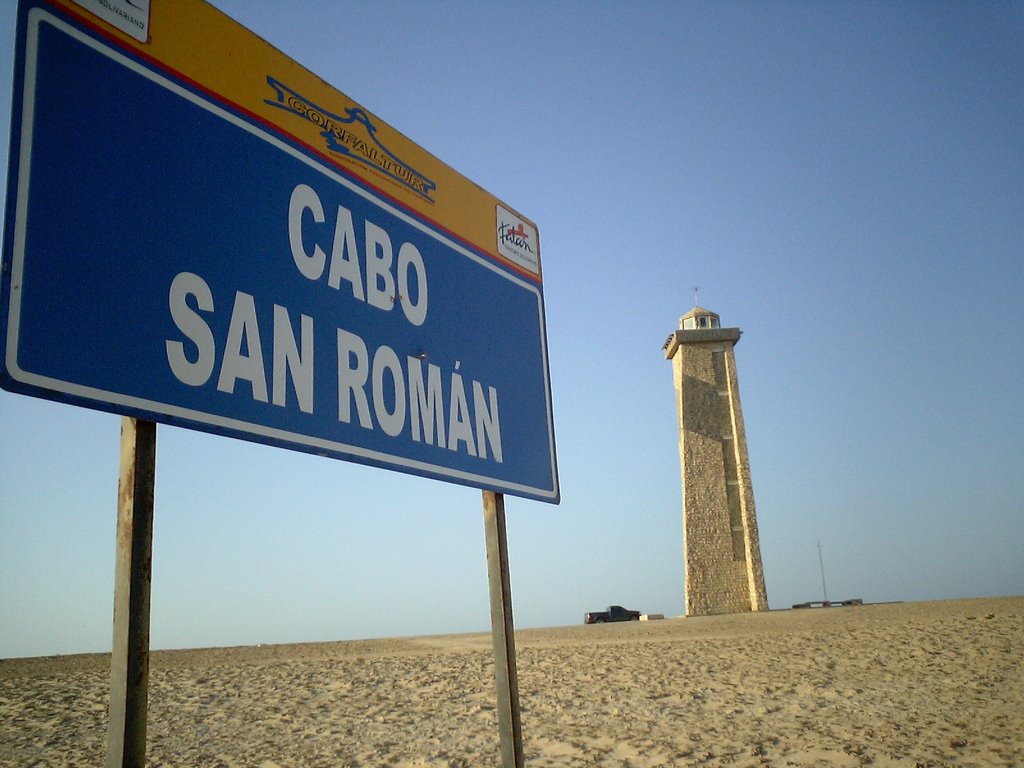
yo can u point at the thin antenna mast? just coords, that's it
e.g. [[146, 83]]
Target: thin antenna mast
[[696, 290], [821, 564]]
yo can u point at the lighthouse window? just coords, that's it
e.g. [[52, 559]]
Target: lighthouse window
[[700, 321]]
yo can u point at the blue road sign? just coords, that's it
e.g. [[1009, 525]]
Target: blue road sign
[[168, 256]]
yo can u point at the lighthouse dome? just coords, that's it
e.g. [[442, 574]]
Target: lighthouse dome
[[698, 317]]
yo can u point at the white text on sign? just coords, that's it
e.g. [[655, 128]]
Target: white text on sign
[[376, 390]]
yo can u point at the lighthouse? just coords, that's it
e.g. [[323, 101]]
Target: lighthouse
[[721, 549]]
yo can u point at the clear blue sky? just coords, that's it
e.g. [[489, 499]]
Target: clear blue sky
[[845, 183]]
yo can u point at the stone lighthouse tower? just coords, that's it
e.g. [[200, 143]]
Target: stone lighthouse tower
[[720, 542]]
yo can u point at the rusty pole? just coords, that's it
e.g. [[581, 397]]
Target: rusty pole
[[502, 633], [129, 660]]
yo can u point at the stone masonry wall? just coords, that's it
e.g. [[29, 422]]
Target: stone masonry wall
[[754, 568], [721, 546]]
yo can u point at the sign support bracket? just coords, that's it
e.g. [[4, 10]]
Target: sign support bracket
[[502, 632], [129, 660]]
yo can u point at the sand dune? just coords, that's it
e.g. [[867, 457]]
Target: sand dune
[[911, 684]]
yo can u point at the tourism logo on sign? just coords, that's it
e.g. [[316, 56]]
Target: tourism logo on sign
[[353, 135], [517, 240]]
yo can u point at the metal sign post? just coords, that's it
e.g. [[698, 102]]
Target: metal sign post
[[502, 632], [129, 661]]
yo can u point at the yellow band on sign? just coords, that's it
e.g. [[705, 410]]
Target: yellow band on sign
[[202, 46]]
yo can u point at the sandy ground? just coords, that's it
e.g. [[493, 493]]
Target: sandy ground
[[912, 684]]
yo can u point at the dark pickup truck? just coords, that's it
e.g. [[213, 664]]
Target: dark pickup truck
[[614, 613]]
